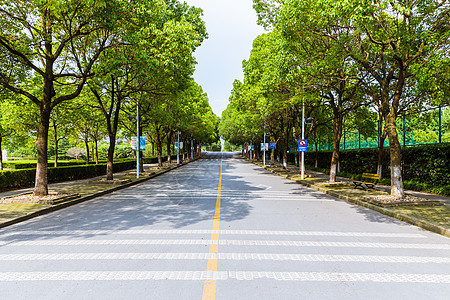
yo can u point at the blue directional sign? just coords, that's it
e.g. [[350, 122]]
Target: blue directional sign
[[176, 145], [302, 145], [142, 143], [272, 146]]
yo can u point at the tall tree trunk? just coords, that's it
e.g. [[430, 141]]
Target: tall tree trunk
[[1, 153], [41, 184], [86, 143], [285, 148], [110, 160], [45, 108], [93, 152], [272, 155], [391, 110], [159, 147], [395, 156], [159, 153], [96, 152], [141, 161], [55, 164], [55, 141], [382, 136], [337, 131], [169, 148]]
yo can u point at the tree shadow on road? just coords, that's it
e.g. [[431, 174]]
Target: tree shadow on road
[[178, 199]]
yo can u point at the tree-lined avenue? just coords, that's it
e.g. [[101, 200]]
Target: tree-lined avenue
[[274, 239]]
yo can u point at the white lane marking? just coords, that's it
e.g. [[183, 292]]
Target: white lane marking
[[224, 256], [154, 190], [282, 199], [342, 277], [228, 243], [222, 275], [221, 232]]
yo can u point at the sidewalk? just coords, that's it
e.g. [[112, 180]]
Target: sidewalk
[[429, 217], [11, 213]]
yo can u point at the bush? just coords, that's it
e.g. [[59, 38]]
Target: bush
[[425, 168], [10, 179]]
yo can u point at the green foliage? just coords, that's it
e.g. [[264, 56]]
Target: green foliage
[[425, 168]]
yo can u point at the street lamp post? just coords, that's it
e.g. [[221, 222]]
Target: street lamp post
[[138, 138], [303, 137], [178, 148], [264, 157]]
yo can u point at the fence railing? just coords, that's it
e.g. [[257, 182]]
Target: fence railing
[[428, 126]]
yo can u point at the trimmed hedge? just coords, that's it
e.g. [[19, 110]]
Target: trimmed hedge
[[28, 165], [26, 177], [154, 160], [425, 167], [10, 179]]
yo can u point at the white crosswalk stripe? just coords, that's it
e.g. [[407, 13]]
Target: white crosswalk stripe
[[85, 242], [222, 275], [224, 256], [221, 232]]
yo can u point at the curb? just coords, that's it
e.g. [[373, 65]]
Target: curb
[[86, 198], [411, 220]]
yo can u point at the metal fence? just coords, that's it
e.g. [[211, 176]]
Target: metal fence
[[428, 126]]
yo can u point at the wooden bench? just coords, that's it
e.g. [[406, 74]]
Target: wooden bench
[[367, 184]]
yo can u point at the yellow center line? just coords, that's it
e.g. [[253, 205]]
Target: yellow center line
[[209, 287]]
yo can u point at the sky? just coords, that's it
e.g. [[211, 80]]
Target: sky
[[231, 26]]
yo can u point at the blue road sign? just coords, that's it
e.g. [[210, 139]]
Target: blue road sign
[[142, 143], [272, 146], [302, 145]]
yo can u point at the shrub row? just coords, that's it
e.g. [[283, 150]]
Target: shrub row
[[26, 177], [154, 160], [28, 165], [10, 179]]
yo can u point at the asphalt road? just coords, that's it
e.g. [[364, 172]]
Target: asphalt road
[[226, 229]]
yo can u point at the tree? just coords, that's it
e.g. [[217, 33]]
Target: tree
[[57, 42], [76, 152], [154, 61], [394, 41], [323, 66], [60, 127]]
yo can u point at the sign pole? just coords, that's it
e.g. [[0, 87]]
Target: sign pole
[[303, 137], [178, 148], [264, 157], [138, 139]]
